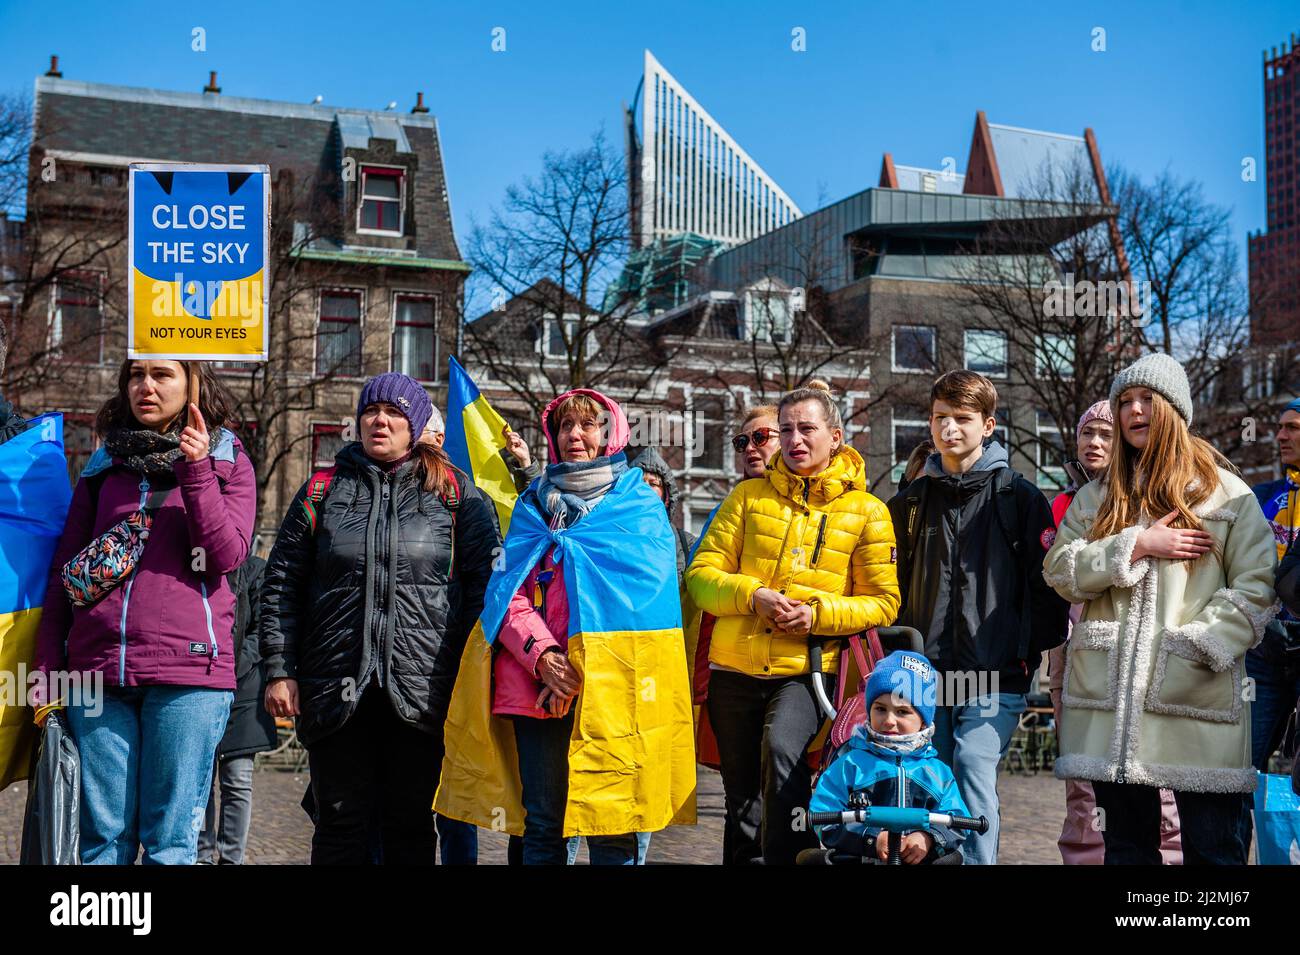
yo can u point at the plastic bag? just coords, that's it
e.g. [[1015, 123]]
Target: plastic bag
[[51, 828], [1277, 821]]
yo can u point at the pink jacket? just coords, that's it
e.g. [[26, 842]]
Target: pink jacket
[[526, 634]]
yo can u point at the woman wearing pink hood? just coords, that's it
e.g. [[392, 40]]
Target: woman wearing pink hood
[[588, 665]]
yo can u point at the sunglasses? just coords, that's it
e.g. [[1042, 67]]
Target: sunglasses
[[760, 437]]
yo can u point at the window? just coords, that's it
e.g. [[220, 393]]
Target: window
[[105, 177], [338, 335], [415, 337], [1049, 453], [383, 195], [767, 313], [549, 339], [326, 441], [78, 317], [78, 442], [911, 426], [708, 434], [1002, 430], [1055, 356], [914, 348], [555, 345], [986, 352]]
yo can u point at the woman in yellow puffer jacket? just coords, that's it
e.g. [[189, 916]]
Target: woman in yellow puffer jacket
[[803, 550]]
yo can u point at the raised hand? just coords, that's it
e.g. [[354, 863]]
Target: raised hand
[[194, 439], [517, 446]]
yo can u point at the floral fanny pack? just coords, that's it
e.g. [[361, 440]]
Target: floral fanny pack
[[111, 557]]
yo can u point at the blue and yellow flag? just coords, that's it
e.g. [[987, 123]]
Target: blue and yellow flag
[[34, 497], [632, 752], [475, 440]]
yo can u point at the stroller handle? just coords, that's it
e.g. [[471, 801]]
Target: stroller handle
[[895, 819], [916, 645]]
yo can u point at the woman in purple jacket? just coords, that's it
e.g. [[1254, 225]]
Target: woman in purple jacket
[[154, 653]]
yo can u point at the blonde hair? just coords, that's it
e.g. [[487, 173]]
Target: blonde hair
[[1176, 471], [583, 406], [820, 392], [758, 411]]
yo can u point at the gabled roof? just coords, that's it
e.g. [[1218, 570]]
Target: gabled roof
[[104, 124]]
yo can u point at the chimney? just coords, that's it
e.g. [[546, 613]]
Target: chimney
[[419, 106], [54, 68], [212, 86]]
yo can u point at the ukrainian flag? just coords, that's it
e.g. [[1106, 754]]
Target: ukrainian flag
[[631, 756], [34, 497], [474, 442]]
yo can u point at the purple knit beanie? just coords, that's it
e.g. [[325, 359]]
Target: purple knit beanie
[[401, 391]]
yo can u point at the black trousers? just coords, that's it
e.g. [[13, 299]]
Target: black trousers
[[376, 771], [764, 728], [1208, 824]]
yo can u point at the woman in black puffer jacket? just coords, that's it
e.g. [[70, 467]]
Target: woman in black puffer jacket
[[374, 584]]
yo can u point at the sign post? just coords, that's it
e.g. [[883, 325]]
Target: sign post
[[199, 257]]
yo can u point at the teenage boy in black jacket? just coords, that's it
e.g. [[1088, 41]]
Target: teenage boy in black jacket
[[971, 538]]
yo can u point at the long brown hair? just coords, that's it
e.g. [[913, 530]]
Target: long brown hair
[[216, 403], [432, 467], [1176, 471]]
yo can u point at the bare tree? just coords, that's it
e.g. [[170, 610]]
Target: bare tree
[[1184, 251], [548, 265], [1046, 278], [302, 360], [74, 223]]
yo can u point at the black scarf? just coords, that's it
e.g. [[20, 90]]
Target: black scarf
[[149, 452]]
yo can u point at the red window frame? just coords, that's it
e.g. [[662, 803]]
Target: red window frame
[[88, 281], [382, 172], [321, 430], [432, 325], [322, 318]]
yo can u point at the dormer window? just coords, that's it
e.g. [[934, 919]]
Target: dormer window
[[383, 197]]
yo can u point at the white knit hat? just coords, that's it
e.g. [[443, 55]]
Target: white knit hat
[[1163, 375], [435, 425]]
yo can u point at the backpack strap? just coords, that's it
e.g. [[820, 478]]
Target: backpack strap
[[1006, 501], [317, 487]]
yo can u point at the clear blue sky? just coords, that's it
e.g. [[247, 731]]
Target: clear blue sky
[[1179, 85]]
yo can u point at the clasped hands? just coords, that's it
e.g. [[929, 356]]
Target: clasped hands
[[561, 682], [785, 613]]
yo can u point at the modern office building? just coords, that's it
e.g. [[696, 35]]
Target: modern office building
[[687, 175], [880, 273]]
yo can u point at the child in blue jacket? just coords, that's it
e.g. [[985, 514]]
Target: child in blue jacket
[[890, 760]]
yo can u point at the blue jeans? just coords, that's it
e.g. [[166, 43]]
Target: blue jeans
[[146, 771], [543, 746], [458, 841], [595, 849], [971, 739]]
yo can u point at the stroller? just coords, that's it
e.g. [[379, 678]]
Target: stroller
[[851, 712]]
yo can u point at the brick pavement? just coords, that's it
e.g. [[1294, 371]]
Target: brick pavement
[[1032, 809]]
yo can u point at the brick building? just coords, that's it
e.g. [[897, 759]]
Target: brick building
[[366, 273]]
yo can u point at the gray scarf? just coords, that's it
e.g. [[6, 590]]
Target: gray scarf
[[567, 491]]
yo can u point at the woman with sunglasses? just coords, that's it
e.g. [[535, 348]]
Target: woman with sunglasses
[[756, 443], [803, 553]]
